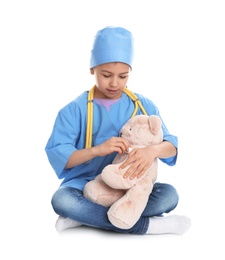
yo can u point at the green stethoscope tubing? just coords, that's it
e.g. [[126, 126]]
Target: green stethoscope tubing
[[130, 94]]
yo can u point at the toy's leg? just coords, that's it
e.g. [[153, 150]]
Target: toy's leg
[[125, 212], [100, 193]]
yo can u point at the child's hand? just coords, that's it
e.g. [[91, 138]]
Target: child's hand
[[139, 159], [114, 144]]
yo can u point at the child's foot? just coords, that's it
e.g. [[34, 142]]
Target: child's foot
[[174, 224], [65, 223]]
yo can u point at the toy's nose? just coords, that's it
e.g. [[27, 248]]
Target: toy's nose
[[120, 134]]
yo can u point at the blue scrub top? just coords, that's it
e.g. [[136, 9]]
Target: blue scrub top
[[69, 132]]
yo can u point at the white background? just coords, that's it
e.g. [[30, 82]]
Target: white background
[[179, 64]]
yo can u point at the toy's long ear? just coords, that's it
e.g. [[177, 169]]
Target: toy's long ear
[[154, 124]]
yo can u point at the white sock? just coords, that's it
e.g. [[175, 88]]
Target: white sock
[[65, 223], [174, 224]]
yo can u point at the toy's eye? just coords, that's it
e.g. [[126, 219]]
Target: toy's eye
[[130, 129]]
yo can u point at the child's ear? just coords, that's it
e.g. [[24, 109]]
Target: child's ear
[[92, 71]]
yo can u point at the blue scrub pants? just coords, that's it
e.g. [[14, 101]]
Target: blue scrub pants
[[70, 202]]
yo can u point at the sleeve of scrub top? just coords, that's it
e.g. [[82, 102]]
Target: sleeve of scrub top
[[172, 139], [61, 143]]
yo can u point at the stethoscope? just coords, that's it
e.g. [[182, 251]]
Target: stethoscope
[[130, 94]]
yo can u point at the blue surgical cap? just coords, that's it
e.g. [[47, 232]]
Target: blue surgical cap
[[112, 44]]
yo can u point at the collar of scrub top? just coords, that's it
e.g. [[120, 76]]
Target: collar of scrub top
[[137, 103]]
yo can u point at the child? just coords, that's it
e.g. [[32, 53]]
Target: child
[[85, 139]]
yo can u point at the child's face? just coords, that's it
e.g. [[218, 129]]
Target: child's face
[[111, 78]]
